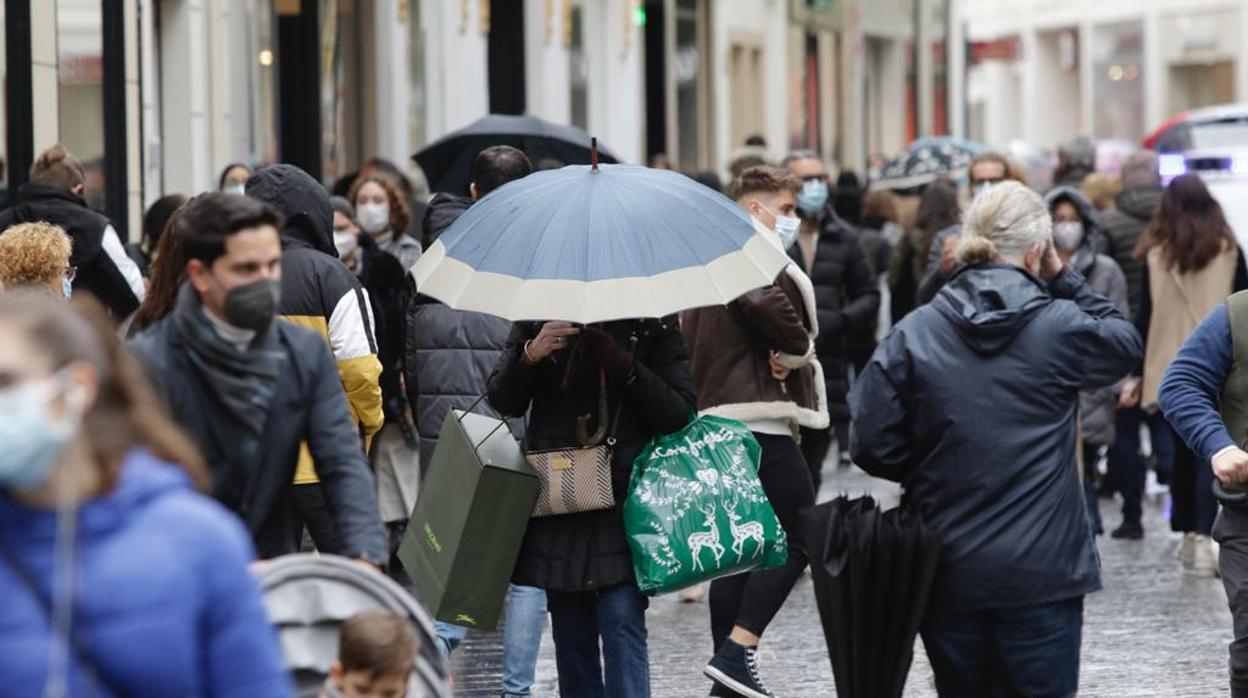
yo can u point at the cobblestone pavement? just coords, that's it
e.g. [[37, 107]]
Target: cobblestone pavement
[[1153, 631]]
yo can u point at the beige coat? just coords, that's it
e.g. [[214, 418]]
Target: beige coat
[[1179, 303]]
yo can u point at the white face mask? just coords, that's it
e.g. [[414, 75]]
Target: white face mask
[[980, 189], [346, 243], [373, 218], [1067, 235], [235, 188], [787, 228]]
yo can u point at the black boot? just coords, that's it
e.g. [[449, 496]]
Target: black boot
[[735, 668], [1129, 530]]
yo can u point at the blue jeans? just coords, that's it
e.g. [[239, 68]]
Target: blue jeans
[[522, 638], [617, 616], [1026, 651]]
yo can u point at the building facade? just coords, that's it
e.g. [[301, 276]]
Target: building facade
[[159, 96], [1046, 70]]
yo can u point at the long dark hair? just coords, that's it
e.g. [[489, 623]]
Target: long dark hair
[[168, 271], [938, 209], [1189, 227], [126, 413]]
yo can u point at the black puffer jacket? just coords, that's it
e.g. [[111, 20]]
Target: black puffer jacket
[[448, 355], [583, 552], [98, 273], [847, 299], [382, 276], [971, 404], [1123, 227]]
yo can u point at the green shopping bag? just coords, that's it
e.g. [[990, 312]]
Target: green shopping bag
[[696, 510]]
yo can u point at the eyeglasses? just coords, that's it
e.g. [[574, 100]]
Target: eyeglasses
[[815, 178], [71, 273]]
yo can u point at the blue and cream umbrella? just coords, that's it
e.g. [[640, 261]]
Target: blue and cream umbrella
[[590, 244]]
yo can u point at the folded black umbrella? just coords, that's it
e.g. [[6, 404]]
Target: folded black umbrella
[[873, 572], [447, 162]]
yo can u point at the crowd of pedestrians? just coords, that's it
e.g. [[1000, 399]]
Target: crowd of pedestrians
[[262, 374]]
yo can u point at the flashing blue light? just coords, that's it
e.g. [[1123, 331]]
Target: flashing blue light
[[1172, 165]]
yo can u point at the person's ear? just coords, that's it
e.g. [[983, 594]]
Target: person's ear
[[472, 191], [199, 275], [79, 189], [335, 673]]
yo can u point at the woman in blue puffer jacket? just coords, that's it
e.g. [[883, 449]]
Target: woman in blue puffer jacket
[[117, 578]]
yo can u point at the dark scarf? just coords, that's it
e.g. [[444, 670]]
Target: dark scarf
[[243, 383]]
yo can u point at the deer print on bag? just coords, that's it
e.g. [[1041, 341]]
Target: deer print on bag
[[750, 530], [706, 539]]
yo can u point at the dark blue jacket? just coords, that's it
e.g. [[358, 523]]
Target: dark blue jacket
[[1192, 387], [163, 597], [309, 407], [971, 403]]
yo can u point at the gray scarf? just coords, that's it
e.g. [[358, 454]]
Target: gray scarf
[[243, 383]]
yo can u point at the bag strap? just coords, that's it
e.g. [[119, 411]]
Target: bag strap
[[81, 652]]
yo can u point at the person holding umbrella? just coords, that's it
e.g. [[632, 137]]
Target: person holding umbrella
[[990, 460], [754, 360], [597, 362], [552, 372]]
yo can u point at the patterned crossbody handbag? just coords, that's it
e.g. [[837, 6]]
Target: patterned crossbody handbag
[[574, 480]]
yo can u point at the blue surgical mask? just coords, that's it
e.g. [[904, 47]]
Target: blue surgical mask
[[30, 438], [812, 197], [67, 288]]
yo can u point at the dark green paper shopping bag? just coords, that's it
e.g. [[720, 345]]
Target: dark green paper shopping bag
[[470, 517], [696, 510]]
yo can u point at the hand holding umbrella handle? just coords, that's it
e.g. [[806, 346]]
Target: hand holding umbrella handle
[[551, 338]]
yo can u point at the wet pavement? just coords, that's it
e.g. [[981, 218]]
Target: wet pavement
[[1153, 631]]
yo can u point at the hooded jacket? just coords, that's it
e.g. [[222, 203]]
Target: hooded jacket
[[970, 403], [847, 300], [163, 600], [320, 293], [1098, 407], [104, 269], [1124, 225], [448, 354]]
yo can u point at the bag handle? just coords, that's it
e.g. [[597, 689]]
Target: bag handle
[[81, 652]]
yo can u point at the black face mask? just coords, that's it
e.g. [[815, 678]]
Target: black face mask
[[253, 306]]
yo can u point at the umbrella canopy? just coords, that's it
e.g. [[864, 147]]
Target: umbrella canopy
[[309, 596], [447, 162], [927, 159], [873, 573], [590, 245]]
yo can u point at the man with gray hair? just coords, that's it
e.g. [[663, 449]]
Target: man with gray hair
[[972, 404], [1076, 159], [1123, 226]]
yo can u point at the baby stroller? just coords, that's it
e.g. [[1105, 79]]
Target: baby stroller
[[308, 597]]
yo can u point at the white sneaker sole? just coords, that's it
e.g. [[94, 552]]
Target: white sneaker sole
[[728, 682]]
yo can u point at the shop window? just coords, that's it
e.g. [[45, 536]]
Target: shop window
[[1118, 80], [80, 89], [578, 65]]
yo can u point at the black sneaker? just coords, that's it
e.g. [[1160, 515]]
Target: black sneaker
[[736, 668], [1129, 530]]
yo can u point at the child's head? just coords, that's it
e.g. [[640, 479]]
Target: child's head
[[376, 653]]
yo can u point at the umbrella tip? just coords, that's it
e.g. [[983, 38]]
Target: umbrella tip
[[593, 153]]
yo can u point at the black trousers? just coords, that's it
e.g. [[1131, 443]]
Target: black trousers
[[1193, 506], [815, 446], [312, 510], [1230, 530], [752, 599]]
